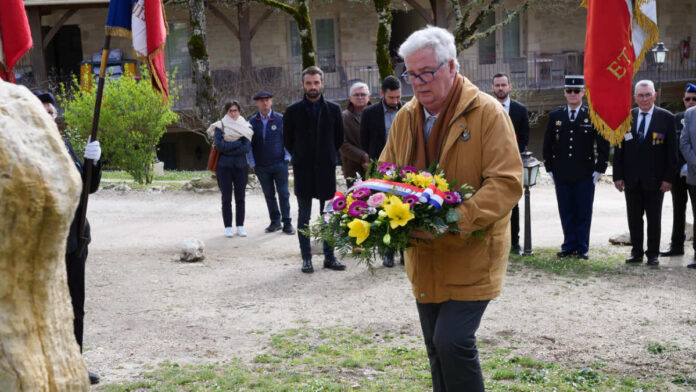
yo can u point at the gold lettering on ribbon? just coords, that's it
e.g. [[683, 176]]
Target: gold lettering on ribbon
[[618, 67]]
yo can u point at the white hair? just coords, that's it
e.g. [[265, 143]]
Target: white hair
[[441, 40], [358, 85], [645, 83]]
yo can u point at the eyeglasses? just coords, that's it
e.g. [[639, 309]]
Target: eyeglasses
[[643, 96], [572, 91], [689, 99], [425, 77], [359, 95]]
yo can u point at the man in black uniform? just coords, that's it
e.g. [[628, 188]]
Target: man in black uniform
[[569, 157], [520, 121], [645, 163], [679, 187], [75, 255]]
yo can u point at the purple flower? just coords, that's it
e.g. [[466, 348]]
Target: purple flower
[[452, 198], [386, 166], [411, 200], [339, 203], [357, 208], [361, 193], [406, 170]]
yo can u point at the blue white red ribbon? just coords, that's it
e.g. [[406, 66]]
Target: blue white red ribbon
[[430, 195]]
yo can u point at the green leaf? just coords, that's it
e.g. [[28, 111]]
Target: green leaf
[[452, 216]]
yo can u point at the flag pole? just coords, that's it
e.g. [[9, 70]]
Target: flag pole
[[88, 163]]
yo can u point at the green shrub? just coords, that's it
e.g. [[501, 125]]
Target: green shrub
[[132, 120]]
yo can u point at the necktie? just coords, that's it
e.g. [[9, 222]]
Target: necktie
[[429, 126], [572, 114], [641, 127]]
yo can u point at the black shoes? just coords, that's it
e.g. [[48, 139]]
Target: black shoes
[[565, 253], [93, 378], [330, 262], [582, 256], [634, 260], [307, 266], [288, 229], [653, 261], [672, 251], [273, 227], [515, 249], [388, 260], [692, 265]]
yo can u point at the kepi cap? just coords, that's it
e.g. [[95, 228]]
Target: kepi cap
[[262, 95], [575, 81], [45, 97], [690, 88]]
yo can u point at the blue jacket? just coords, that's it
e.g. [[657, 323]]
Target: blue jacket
[[232, 154], [267, 151]]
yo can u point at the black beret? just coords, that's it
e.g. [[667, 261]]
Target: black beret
[[575, 81], [45, 97], [262, 95]]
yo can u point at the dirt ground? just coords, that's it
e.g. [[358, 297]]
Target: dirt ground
[[144, 307]]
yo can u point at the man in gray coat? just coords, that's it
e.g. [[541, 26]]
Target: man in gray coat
[[687, 145]]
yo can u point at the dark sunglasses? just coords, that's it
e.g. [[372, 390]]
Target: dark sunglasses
[[689, 99], [572, 91]]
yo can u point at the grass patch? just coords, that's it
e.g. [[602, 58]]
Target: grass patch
[[343, 360], [601, 262], [169, 175]]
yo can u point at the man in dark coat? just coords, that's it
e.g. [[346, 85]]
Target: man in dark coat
[[569, 157], [680, 194], [375, 123], [312, 134], [520, 121], [644, 166], [76, 250]]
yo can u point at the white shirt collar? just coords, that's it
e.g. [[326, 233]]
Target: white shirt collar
[[506, 104], [650, 112], [428, 115]]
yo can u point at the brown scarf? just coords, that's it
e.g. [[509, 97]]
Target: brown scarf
[[428, 153]]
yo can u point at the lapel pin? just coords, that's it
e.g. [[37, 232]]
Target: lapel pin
[[559, 123], [466, 135], [274, 127]]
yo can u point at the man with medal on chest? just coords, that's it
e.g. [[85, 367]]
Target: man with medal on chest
[[569, 158]]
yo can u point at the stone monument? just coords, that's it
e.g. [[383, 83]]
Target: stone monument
[[39, 192]]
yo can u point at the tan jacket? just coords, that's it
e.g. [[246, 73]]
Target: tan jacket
[[458, 266]]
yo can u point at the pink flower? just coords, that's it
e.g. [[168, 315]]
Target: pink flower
[[406, 170], [357, 208], [386, 166], [376, 199], [411, 200], [361, 193], [339, 203], [452, 198]]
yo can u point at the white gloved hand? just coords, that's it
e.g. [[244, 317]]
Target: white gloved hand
[[551, 175], [683, 171], [595, 177], [92, 150]]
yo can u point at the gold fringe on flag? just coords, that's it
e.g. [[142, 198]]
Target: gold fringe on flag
[[648, 26], [115, 31], [613, 136]]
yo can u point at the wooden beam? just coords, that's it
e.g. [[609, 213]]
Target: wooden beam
[[421, 11], [38, 60], [225, 20], [260, 21], [51, 33]]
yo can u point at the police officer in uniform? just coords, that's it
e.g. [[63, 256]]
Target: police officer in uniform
[[680, 193], [569, 157]]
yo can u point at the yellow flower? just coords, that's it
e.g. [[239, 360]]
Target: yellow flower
[[398, 212], [422, 181], [359, 229], [441, 184], [349, 201]]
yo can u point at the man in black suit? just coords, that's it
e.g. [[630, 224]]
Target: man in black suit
[[374, 129], [376, 119], [520, 120], [569, 157], [680, 194], [644, 166], [312, 134], [76, 250]]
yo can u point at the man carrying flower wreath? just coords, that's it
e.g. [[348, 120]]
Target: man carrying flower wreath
[[454, 276]]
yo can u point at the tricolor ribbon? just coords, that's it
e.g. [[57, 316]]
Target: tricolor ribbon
[[430, 195]]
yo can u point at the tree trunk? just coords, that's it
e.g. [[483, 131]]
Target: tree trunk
[[40, 190], [205, 104], [244, 36], [304, 25], [384, 17]]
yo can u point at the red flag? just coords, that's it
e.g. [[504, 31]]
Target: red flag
[[15, 36], [619, 33], [156, 38]]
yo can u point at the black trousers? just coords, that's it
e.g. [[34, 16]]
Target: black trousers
[[226, 178], [515, 226], [75, 263], [449, 330], [304, 213], [639, 202], [680, 195]]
